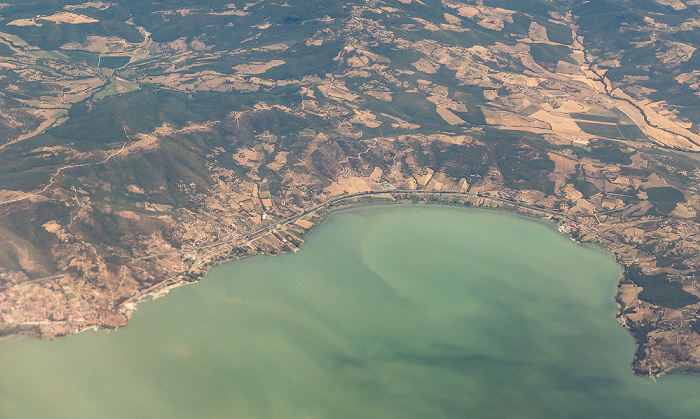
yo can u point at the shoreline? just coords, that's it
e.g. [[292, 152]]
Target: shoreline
[[336, 205]]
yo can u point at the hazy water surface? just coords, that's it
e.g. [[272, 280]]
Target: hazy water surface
[[400, 312]]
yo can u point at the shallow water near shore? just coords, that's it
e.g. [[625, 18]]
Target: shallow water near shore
[[409, 311]]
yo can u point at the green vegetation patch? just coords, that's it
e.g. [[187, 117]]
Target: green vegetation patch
[[640, 332], [88, 58], [602, 126], [116, 87], [551, 53], [25, 227], [8, 256], [665, 198], [114, 61], [24, 181], [658, 290], [595, 117], [458, 161], [521, 160], [624, 119], [675, 262], [600, 130], [530, 110], [632, 132], [605, 152], [95, 125], [5, 51], [586, 188], [51, 36], [19, 329], [559, 33]]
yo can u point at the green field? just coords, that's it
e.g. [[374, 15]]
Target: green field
[[632, 132], [116, 87], [600, 125], [88, 58], [595, 117], [624, 119], [114, 61], [658, 290], [600, 130], [665, 198]]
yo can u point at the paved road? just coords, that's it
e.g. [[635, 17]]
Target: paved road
[[292, 218], [32, 281], [285, 221]]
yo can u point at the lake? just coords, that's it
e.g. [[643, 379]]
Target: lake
[[407, 311]]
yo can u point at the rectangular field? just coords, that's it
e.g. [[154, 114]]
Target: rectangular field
[[594, 117], [601, 130]]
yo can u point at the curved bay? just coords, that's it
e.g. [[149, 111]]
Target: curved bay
[[404, 311]]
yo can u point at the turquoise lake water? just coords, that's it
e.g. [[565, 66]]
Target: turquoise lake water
[[408, 311]]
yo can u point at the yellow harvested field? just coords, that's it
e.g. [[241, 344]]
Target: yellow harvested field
[[574, 106], [564, 67], [571, 193], [579, 56], [426, 66], [280, 160], [230, 13], [70, 18], [684, 211], [675, 4], [495, 18], [490, 94], [427, 25], [452, 19], [96, 4], [358, 61], [365, 118], [557, 122], [400, 123], [13, 39], [24, 22], [304, 223], [158, 207], [654, 181], [129, 215], [448, 116], [424, 176], [376, 174], [248, 157], [468, 11], [337, 91], [381, 95], [510, 120], [628, 294], [257, 67], [51, 226], [145, 142], [537, 32], [563, 164], [450, 104], [350, 184]]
